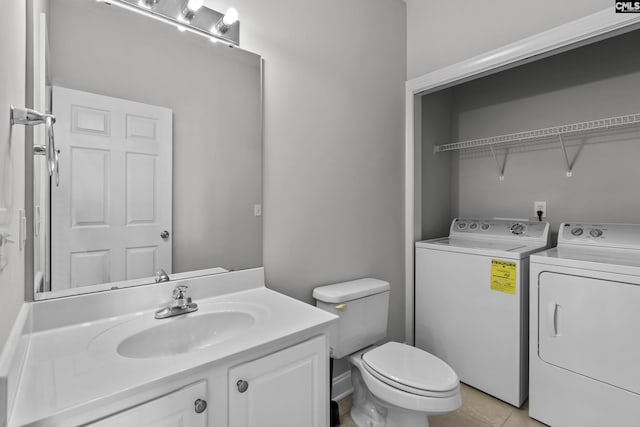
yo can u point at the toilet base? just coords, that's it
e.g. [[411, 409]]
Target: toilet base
[[403, 417], [368, 411]]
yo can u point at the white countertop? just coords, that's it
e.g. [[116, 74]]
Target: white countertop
[[61, 377]]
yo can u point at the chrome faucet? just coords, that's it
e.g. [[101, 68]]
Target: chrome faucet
[[162, 276], [181, 304]]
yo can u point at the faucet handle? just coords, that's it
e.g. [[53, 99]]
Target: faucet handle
[[180, 291], [161, 276]]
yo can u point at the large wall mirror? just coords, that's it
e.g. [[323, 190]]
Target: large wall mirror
[[159, 134]]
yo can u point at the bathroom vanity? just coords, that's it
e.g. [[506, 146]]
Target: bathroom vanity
[[248, 356]]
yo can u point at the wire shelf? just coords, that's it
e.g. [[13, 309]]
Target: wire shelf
[[555, 131]]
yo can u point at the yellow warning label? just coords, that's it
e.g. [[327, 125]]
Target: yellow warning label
[[503, 276]]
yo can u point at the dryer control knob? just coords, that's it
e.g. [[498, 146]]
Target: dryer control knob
[[473, 226], [462, 225], [595, 232], [485, 227], [577, 231], [518, 229]]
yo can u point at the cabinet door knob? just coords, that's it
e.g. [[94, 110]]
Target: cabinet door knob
[[200, 406], [242, 386]]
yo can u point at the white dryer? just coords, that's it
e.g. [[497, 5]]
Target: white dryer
[[471, 301], [585, 328]]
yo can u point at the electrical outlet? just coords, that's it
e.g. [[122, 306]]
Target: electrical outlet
[[257, 210], [540, 206]]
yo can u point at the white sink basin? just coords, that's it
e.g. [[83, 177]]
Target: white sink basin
[[145, 337], [185, 333]]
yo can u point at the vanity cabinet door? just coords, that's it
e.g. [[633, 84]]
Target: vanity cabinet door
[[289, 388], [177, 409]]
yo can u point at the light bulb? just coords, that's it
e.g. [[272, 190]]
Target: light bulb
[[194, 5], [230, 17]]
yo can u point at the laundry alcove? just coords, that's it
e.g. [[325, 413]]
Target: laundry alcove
[[554, 79]]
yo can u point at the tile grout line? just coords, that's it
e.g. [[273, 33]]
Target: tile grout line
[[508, 418]]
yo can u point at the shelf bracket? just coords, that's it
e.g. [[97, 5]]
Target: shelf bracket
[[502, 165], [566, 157]]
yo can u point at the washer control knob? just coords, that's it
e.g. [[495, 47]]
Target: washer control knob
[[484, 227], [473, 226], [518, 229], [595, 232], [577, 231], [462, 225]]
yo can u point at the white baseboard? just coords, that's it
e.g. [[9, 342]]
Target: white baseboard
[[341, 386]]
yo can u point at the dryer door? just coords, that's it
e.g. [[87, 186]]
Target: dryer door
[[591, 327]]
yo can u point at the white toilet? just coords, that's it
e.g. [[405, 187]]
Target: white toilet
[[395, 385]]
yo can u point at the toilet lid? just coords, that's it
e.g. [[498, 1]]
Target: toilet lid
[[411, 367]]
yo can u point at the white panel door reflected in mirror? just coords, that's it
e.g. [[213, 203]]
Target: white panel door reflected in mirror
[[113, 202]]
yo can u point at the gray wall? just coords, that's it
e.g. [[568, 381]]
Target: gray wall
[[214, 92], [593, 82], [333, 156], [441, 33], [12, 185], [436, 167]]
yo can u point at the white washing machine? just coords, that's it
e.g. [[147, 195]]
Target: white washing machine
[[472, 298], [585, 328]]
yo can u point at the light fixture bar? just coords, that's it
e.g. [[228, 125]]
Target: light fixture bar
[[203, 20]]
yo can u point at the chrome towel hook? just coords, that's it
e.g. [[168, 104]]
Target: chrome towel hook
[[29, 117]]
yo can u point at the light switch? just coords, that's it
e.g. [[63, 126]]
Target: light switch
[[22, 217], [4, 218], [4, 238]]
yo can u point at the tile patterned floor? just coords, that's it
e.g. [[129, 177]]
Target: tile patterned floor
[[478, 410]]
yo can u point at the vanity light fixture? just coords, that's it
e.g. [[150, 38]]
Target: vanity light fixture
[[148, 3], [225, 23], [189, 10], [188, 15]]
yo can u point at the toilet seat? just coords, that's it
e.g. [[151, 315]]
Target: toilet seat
[[395, 396], [411, 370]]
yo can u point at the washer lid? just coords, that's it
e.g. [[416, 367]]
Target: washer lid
[[507, 249], [412, 367]]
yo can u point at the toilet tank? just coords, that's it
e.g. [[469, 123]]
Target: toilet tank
[[362, 306]]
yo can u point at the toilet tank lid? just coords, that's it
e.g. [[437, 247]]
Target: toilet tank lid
[[347, 291]]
